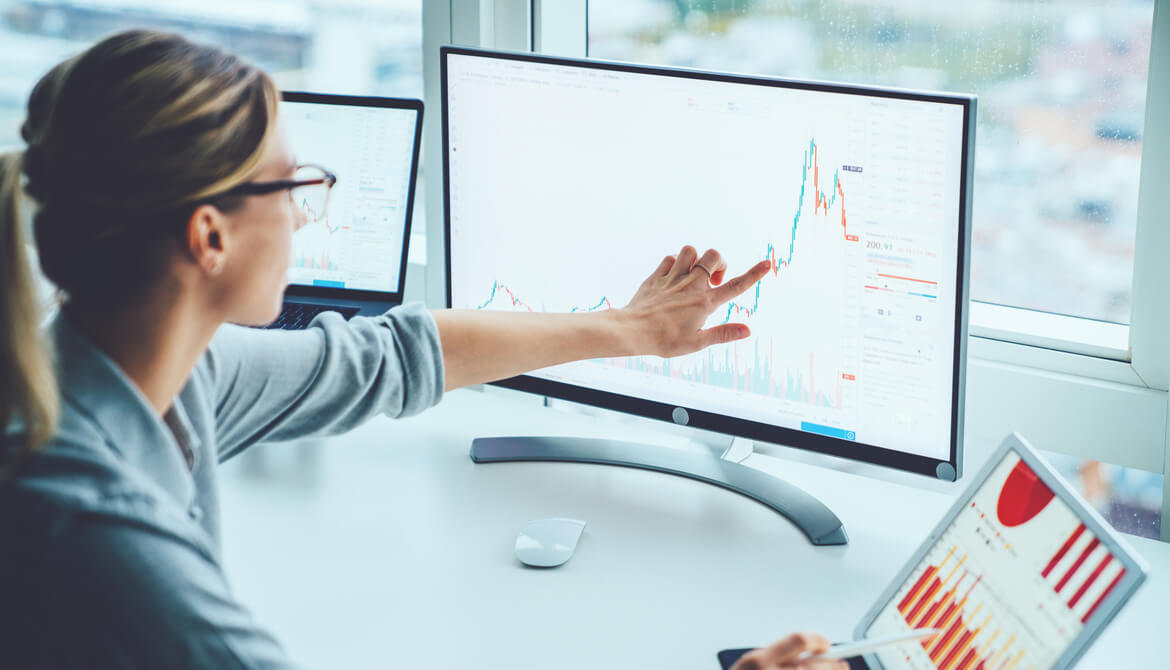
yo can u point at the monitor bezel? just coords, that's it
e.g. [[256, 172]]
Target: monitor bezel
[[949, 469], [410, 104], [1136, 568]]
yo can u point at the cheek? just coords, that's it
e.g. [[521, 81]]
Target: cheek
[[281, 242], [282, 248], [269, 253], [285, 244]]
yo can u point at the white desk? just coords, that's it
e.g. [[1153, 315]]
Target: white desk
[[398, 553]]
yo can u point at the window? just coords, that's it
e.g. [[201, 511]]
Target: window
[[1062, 101], [363, 47], [360, 47], [1128, 498]]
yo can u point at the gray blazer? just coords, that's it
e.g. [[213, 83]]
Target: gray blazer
[[110, 535]]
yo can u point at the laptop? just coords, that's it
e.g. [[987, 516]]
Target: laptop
[[353, 260], [1020, 573]]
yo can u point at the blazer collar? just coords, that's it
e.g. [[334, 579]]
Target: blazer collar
[[91, 383]]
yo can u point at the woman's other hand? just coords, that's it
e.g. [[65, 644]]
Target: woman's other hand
[[791, 653], [671, 306]]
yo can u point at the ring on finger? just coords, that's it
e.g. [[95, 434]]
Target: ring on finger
[[704, 268]]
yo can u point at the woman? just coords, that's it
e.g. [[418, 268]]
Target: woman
[[164, 210]]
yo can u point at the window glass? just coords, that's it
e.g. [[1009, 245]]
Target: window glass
[[1061, 89], [359, 47], [1128, 498]]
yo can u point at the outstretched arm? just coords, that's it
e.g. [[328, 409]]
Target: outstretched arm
[[665, 317]]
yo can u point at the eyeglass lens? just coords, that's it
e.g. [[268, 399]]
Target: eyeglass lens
[[311, 199]]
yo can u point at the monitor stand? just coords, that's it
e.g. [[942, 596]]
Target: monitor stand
[[809, 514]]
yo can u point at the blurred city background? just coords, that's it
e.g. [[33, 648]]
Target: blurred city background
[[1061, 84]]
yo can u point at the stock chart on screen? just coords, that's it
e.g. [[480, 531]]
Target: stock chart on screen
[[358, 241], [569, 184]]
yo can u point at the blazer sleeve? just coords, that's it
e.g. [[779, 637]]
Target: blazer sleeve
[[273, 385]]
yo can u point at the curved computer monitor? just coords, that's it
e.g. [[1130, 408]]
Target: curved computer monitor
[[566, 181]]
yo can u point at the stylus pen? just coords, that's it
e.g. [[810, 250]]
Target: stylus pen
[[859, 647]]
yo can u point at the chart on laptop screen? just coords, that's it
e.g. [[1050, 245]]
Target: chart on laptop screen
[[569, 184], [1011, 582], [358, 243]]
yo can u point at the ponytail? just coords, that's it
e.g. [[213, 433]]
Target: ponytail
[[28, 387]]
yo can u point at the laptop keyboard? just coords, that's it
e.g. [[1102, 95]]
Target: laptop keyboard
[[297, 315]]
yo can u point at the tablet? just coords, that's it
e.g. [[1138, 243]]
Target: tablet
[[1020, 574], [728, 658]]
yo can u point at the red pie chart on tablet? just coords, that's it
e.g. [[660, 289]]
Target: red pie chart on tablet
[[1023, 496]]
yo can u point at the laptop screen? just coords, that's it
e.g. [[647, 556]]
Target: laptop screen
[[359, 243], [1011, 582]]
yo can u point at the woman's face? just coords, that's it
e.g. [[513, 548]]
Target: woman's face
[[261, 228]]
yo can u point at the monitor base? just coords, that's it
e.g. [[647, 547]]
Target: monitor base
[[810, 515]]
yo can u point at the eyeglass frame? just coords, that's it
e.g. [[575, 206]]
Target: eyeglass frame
[[266, 187]]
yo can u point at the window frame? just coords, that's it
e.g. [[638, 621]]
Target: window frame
[[1077, 386]]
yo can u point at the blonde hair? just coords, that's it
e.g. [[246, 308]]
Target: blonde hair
[[28, 389], [124, 141]]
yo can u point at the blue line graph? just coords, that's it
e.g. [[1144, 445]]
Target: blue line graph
[[823, 200]]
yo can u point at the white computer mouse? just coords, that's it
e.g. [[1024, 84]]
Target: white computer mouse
[[547, 543]]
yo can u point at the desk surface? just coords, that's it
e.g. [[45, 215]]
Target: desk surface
[[397, 552]]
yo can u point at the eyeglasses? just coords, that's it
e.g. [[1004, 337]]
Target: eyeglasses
[[309, 189]]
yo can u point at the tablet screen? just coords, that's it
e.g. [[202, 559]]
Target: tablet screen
[[1011, 582]]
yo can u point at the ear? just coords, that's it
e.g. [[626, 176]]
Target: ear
[[207, 239]]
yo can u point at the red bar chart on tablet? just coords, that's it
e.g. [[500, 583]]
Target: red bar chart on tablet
[[1083, 571]]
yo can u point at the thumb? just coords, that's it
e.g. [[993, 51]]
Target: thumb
[[728, 332]]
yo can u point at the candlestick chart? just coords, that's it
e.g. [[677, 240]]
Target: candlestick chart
[[815, 377]]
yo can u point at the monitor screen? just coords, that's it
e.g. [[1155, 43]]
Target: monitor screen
[[1011, 582], [370, 147], [567, 181]]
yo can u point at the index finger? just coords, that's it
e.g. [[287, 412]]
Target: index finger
[[743, 282]]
